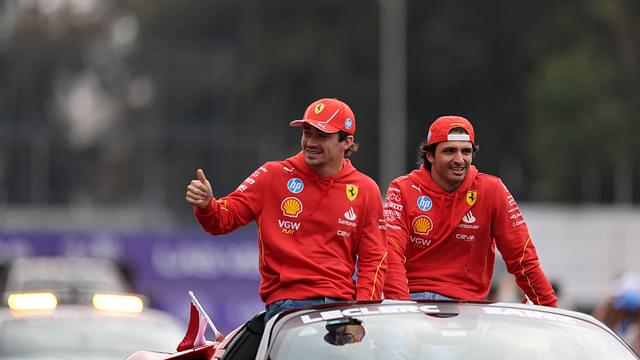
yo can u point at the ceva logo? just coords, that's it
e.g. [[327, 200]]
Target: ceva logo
[[295, 185]]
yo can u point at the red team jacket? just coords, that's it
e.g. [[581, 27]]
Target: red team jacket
[[310, 230], [449, 239]]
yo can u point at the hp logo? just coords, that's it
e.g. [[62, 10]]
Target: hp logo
[[424, 203], [295, 185]]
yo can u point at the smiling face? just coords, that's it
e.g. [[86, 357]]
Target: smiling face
[[450, 163], [323, 152]]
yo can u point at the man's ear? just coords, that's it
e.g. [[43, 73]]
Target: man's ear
[[430, 156], [348, 141]]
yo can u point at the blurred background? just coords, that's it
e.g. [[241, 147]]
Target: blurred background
[[107, 108]]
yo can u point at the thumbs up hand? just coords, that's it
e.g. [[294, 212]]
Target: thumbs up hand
[[199, 192]]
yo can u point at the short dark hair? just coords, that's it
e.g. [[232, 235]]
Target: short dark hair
[[424, 148], [354, 147]]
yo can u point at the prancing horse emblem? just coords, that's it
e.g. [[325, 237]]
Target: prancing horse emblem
[[352, 191]]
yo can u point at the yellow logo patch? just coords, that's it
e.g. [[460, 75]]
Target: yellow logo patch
[[352, 191], [422, 225], [319, 107], [472, 196], [291, 207]]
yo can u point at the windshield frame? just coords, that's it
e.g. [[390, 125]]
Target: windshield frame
[[516, 313]]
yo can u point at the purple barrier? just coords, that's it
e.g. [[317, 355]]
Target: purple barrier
[[221, 270]]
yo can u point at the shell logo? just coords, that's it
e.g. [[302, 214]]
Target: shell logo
[[422, 225], [291, 207]]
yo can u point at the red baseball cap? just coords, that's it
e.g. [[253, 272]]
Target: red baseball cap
[[329, 116], [439, 130]]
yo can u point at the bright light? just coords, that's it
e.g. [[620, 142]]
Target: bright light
[[122, 303], [32, 301]]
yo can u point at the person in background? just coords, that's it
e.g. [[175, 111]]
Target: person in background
[[620, 310], [316, 215], [445, 221]]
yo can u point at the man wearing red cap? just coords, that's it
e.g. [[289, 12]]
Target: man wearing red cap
[[316, 214], [445, 220]]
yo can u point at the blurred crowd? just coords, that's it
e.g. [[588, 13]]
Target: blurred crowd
[[620, 309]]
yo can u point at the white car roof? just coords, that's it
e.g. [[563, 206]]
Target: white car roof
[[40, 273]]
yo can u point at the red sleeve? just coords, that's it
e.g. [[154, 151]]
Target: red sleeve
[[238, 208], [372, 250], [396, 285], [518, 251]]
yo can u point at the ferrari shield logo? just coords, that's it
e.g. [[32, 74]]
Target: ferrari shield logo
[[318, 109], [472, 196], [352, 191]]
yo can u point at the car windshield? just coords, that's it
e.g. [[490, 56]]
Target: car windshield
[[446, 331], [114, 337]]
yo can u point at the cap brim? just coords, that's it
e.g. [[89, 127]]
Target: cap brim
[[316, 124]]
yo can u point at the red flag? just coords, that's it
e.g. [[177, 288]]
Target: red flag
[[195, 331]]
